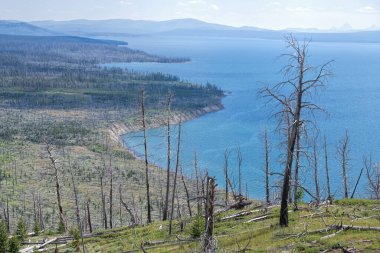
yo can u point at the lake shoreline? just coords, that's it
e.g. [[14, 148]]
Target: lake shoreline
[[117, 130]]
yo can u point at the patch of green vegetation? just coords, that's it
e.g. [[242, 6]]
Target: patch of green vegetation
[[356, 202]]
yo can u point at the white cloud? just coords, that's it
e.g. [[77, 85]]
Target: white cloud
[[297, 9], [215, 7], [197, 2], [125, 2], [367, 9]]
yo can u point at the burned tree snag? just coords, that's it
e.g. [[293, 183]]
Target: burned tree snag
[[209, 240]]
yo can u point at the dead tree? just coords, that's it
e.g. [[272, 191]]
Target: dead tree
[[54, 166], [373, 177], [101, 172], [329, 196], [197, 177], [149, 217], [89, 215], [166, 204], [175, 176], [357, 182], [343, 150], [226, 158], [240, 161], [296, 172], [316, 182], [267, 196], [111, 196], [291, 95], [209, 240], [186, 192], [77, 210]]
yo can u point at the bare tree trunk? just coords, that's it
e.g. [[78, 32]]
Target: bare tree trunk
[[104, 218], [329, 196], [187, 193], [149, 217], [208, 244], [267, 196], [77, 211], [288, 132], [175, 176], [166, 204], [373, 177], [357, 182], [240, 160], [111, 197], [343, 150], [89, 216], [197, 181], [296, 172], [226, 156], [120, 214], [316, 182], [57, 185]]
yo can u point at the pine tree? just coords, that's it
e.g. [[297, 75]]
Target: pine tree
[[14, 245], [3, 237], [21, 231]]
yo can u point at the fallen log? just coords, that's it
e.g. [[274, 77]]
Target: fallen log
[[239, 214], [37, 247], [259, 218], [345, 227]]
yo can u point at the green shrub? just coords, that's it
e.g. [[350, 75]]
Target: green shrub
[[61, 228], [14, 245], [355, 202], [197, 227], [37, 228], [3, 237], [76, 234], [21, 230]]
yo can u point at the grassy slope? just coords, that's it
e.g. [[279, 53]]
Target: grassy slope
[[235, 235]]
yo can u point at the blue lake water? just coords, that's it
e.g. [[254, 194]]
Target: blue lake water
[[240, 67]]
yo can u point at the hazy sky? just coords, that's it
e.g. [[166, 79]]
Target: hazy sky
[[275, 14]]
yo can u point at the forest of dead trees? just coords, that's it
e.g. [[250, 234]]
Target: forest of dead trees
[[80, 196]]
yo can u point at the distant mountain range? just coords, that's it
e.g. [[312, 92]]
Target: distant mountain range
[[178, 27], [22, 28]]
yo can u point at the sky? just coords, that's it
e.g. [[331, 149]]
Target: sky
[[276, 14]]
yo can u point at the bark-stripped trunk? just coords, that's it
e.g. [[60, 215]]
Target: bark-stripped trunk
[[329, 197], [111, 197], [187, 193], [175, 176], [89, 216], [77, 211], [267, 196], [316, 182], [104, 213], [344, 153], [57, 187], [208, 244], [149, 217], [296, 172], [166, 204]]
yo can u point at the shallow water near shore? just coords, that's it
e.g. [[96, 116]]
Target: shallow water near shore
[[240, 67]]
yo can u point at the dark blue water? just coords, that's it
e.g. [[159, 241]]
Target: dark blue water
[[241, 66]]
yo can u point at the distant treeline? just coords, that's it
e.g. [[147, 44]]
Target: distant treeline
[[64, 73]]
